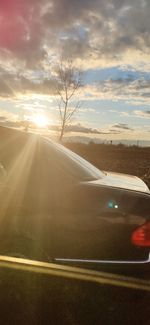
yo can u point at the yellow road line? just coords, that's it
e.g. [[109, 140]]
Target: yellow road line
[[74, 273]]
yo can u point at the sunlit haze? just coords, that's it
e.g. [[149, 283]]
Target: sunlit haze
[[40, 121]]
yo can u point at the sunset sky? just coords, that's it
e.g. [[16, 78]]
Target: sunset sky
[[108, 39]]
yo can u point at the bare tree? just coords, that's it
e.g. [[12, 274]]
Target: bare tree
[[68, 82]]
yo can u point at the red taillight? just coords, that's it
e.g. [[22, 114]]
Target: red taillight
[[141, 236]]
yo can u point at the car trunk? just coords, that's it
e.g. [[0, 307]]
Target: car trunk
[[124, 181]]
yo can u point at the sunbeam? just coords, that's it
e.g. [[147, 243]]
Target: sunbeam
[[15, 185]]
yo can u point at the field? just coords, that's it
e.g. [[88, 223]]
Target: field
[[129, 160]]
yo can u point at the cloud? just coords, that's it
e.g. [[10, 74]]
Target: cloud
[[122, 126], [82, 129], [12, 85], [79, 128], [134, 91], [95, 30], [112, 32], [7, 115], [127, 89], [8, 119], [142, 114], [22, 29]]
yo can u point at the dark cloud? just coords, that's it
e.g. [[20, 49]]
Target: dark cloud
[[112, 131], [12, 85], [122, 126], [22, 32], [126, 88], [64, 13], [138, 84], [82, 129], [79, 128], [45, 87], [111, 27], [116, 28], [142, 84]]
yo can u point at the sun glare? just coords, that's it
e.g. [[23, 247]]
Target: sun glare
[[40, 121]]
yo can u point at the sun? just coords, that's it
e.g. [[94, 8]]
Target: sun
[[40, 121]]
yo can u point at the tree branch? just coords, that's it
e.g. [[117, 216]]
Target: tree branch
[[68, 82]]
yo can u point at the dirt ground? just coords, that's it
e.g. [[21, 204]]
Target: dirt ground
[[130, 160]]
